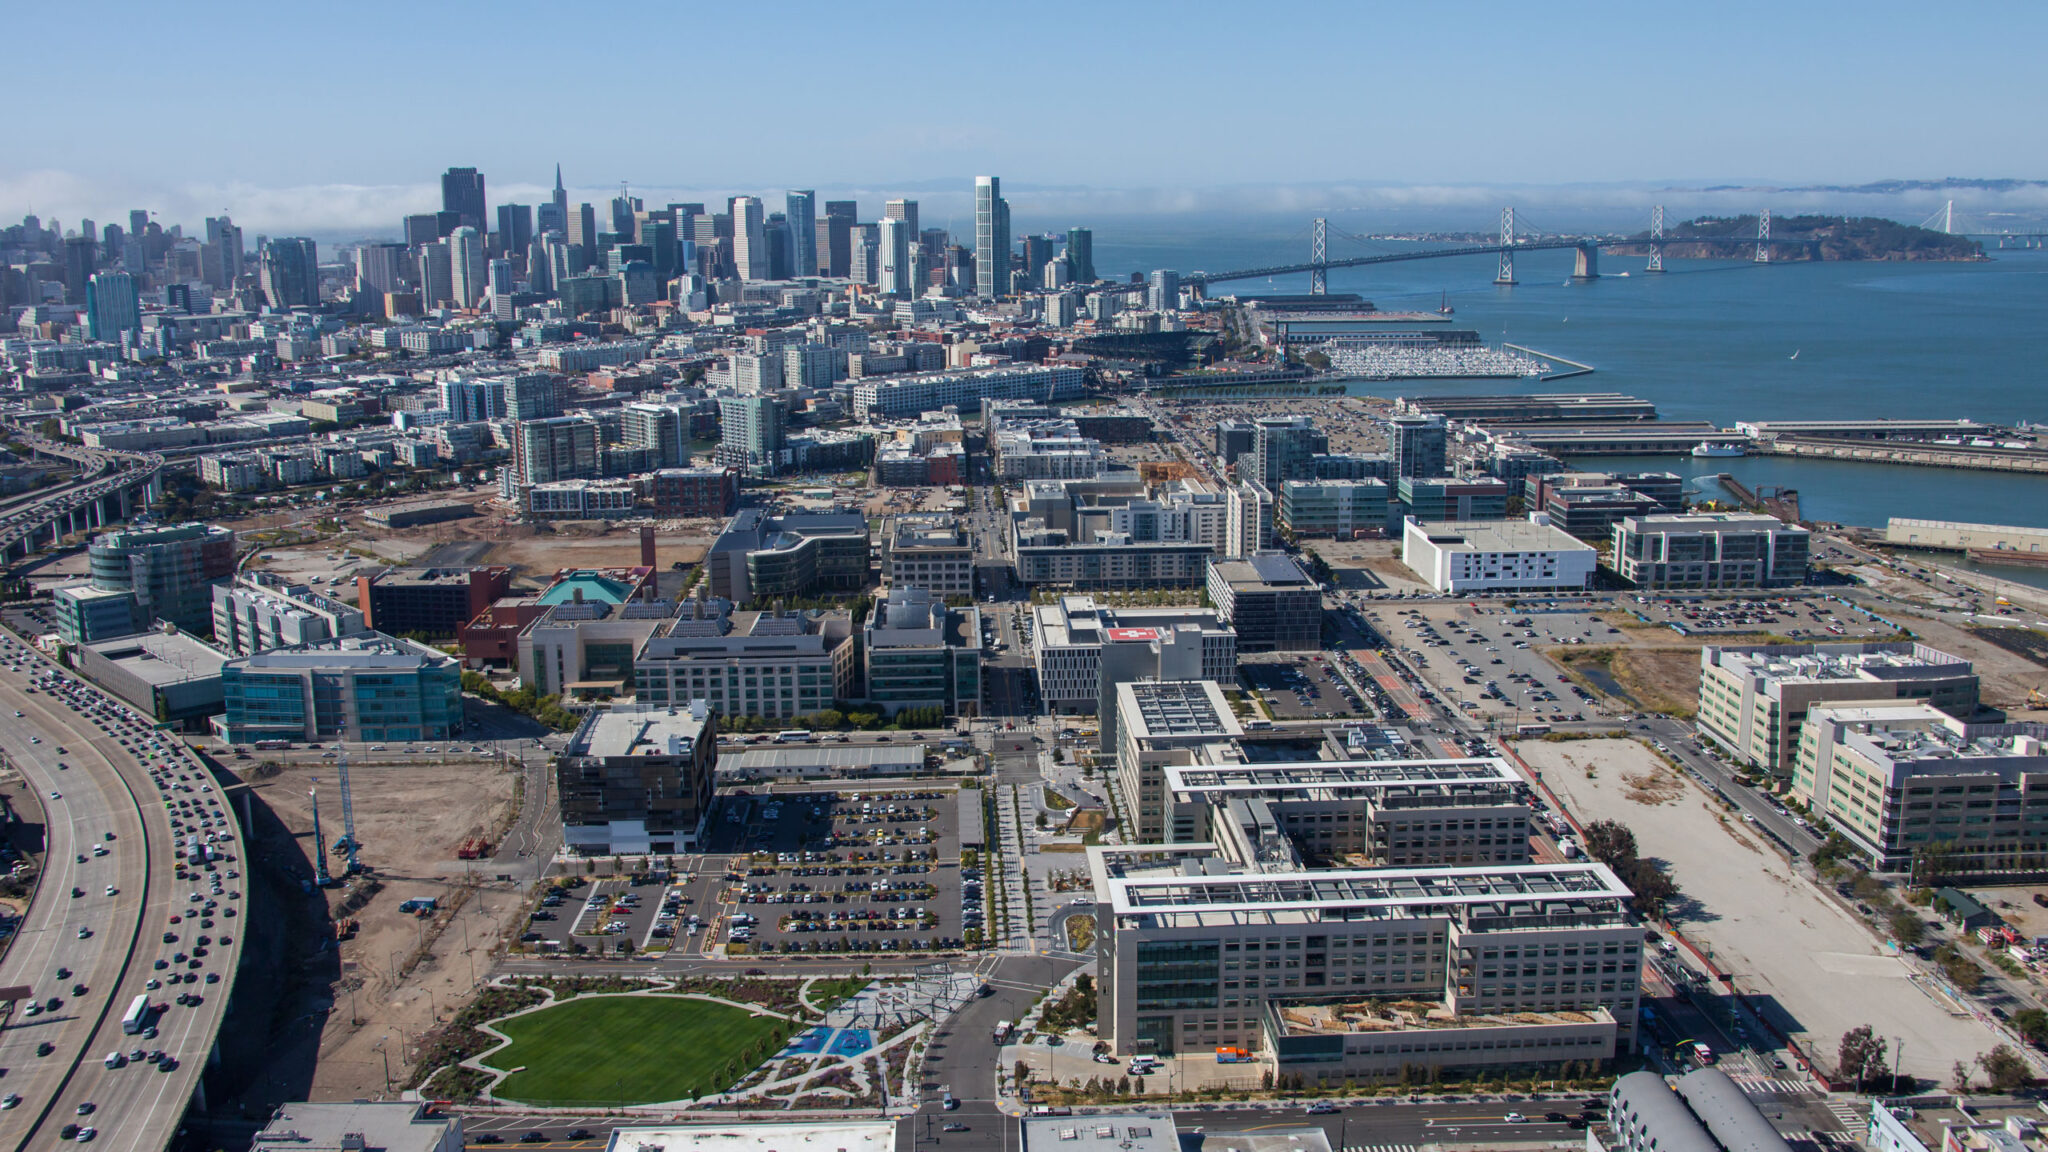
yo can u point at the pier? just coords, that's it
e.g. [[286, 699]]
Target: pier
[[1780, 502], [1920, 455], [1577, 369]]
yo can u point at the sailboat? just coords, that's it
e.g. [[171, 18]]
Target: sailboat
[[1444, 308], [1795, 354]]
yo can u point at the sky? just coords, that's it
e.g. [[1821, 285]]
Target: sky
[[327, 118]]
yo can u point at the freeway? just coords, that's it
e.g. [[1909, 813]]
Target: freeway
[[122, 778]]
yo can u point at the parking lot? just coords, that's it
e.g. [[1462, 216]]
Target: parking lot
[[1302, 687], [842, 869], [1489, 657]]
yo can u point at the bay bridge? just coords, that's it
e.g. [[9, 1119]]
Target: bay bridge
[[1585, 267]]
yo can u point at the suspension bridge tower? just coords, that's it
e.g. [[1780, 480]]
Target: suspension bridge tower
[[1319, 255], [1656, 240], [1763, 236], [1506, 275]]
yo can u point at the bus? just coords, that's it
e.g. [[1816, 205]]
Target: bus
[[1701, 1055], [793, 736], [268, 745], [1532, 729], [138, 1016]]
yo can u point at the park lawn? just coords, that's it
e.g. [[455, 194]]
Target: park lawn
[[632, 1050]]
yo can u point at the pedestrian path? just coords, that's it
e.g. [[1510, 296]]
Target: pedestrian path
[[1854, 1114]]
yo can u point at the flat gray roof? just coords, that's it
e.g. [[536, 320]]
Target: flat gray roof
[[1336, 775], [1362, 888]]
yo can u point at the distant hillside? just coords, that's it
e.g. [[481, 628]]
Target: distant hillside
[[1821, 238]]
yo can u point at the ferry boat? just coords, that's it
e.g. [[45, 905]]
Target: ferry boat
[[1709, 448]]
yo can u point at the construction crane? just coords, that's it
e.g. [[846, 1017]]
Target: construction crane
[[348, 816], [323, 877], [2035, 698]]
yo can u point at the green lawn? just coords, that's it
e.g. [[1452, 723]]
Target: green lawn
[[632, 1050]]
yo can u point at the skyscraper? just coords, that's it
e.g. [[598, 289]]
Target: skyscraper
[[904, 210], [220, 261], [623, 225], [111, 306], [422, 229], [1417, 442], [1164, 293], [462, 192], [897, 250], [837, 251], [583, 232], [556, 448], [1081, 254], [749, 238], [991, 238], [1283, 448], [291, 273], [802, 209], [515, 228], [436, 275], [380, 266], [554, 215], [81, 257], [466, 267]]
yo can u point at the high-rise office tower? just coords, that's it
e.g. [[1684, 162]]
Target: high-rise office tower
[[904, 210], [462, 192], [867, 261], [1417, 442], [749, 434], [623, 222], [658, 236], [138, 221], [436, 278], [837, 249], [1038, 252], [467, 267], [111, 306], [991, 238], [540, 261], [554, 215], [502, 288], [1081, 254], [515, 228], [380, 266], [780, 246], [583, 231], [802, 209], [749, 238], [291, 273], [80, 260], [221, 260], [422, 229], [896, 250]]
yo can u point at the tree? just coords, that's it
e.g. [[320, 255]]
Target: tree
[[1610, 842], [1907, 927], [2005, 1068], [1959, 1076], [1861, 1054], [2031, 1024], [1935, 864]]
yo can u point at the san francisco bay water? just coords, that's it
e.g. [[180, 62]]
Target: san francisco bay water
[[1716, 341]]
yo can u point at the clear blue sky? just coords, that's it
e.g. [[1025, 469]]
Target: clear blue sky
[[345, 110]]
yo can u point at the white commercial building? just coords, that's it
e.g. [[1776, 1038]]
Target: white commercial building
[[1458, 557], [1066, 645]]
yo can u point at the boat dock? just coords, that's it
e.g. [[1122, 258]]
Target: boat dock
[[1768, 498], [1577, 369]]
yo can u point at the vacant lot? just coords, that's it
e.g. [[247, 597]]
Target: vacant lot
[[1655, 679], [608, 1050], [1819, 970]]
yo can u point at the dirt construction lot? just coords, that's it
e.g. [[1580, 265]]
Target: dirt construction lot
[[1780, 937], [410, 819]]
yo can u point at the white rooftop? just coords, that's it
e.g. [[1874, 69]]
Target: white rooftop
[[817, 1136]]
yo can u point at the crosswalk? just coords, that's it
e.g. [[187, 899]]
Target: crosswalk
[[1756, 1085], [1854, 1116], [1380, 1148]]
